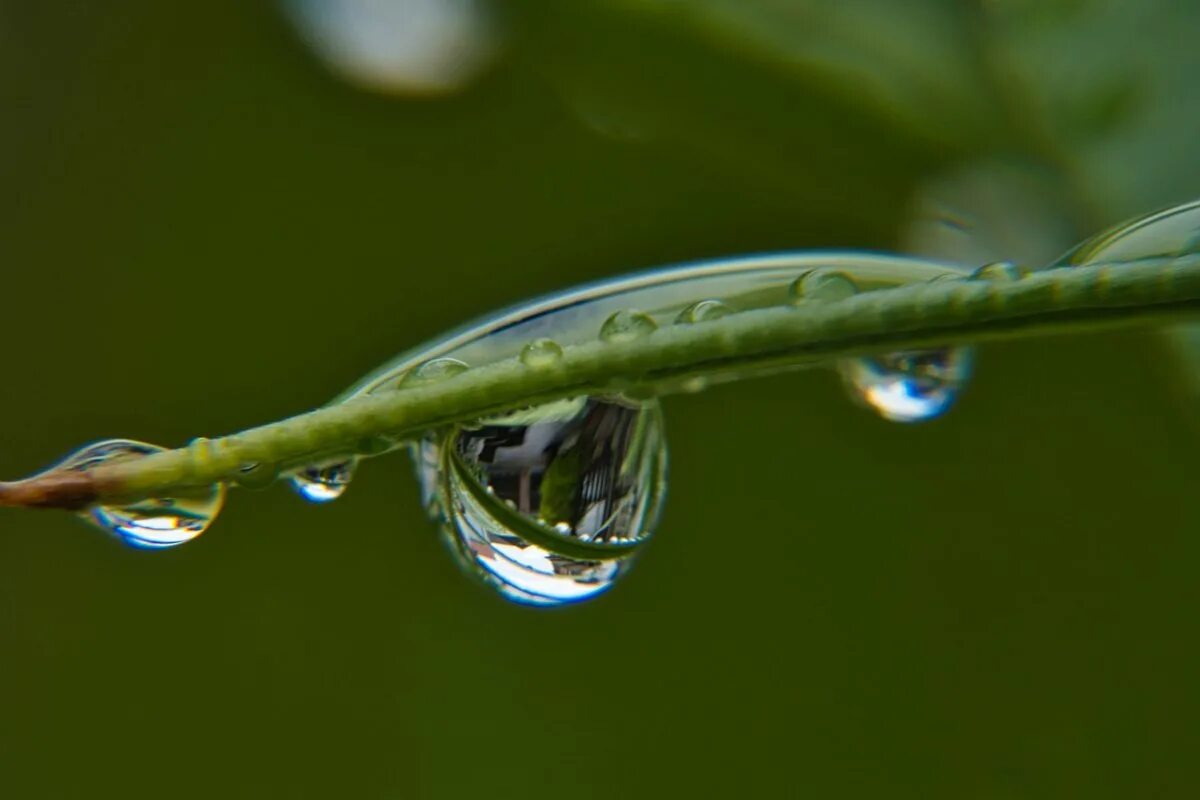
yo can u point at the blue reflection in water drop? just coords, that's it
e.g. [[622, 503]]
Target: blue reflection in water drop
[[909, 387], [325, 483], [151, 524]]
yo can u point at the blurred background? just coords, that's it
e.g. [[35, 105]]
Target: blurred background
[[217, 215]]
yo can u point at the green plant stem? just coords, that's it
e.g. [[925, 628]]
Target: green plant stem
[[938, 313]]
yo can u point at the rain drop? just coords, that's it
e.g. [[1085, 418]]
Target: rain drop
[[703, 311], [541, 353], [548, 505], [432, 371], [154, 523], [324, 483], [626, 325], [823, 286], [909, 387], [999, 271]]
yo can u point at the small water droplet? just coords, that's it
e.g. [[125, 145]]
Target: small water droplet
[[549, 505], [909, 387], [627, 325], [153, 523], [703, 311], [823, 286], [541, 353], [256, 476], [999, 271], [432, 371], [326, 482]]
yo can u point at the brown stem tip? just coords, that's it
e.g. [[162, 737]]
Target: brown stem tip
[[67, 490]]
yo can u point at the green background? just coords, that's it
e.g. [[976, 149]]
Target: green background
[[203, 230]]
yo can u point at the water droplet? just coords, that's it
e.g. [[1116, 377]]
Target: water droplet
[[326, 482], [626, 325], [549, 505], [256, 476], [1164, 234], [823, 286], [432, 371], [909, 387], [154, 523], [703, 311], [999, 271], [541, 353]]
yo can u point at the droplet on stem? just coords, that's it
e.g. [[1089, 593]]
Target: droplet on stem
[[626, 326], [152, 523], [541, 353], [703, 311]]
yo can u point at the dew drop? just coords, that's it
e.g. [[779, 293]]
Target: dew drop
[[256, 476], [432, 371], [1170, 233], [703, 311], [823, 286], [999, 271], [912, 386], [326, 482], [541, 353], [154, 523], [549, 505], [627, 325]]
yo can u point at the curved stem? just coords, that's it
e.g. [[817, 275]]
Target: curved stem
[[938, 313]]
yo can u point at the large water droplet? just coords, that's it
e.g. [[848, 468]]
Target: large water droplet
[[909, 387], [326, 482], [154, 523], [548, 505], [1164, 234]]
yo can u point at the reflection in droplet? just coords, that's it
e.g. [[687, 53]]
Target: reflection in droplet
[[154, 523], [703, 311], [400, 46], [909, 387], [541, 353], [548, 505], [324, 483], [626, 325], [823, 286]]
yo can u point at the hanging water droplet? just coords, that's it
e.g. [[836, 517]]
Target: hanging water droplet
[[432, 371], [703, 311], [541, 353], [154, 523], [999, 271], [626, 325], [548, 505], [909, 387], [326, 482], [823, 286]]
